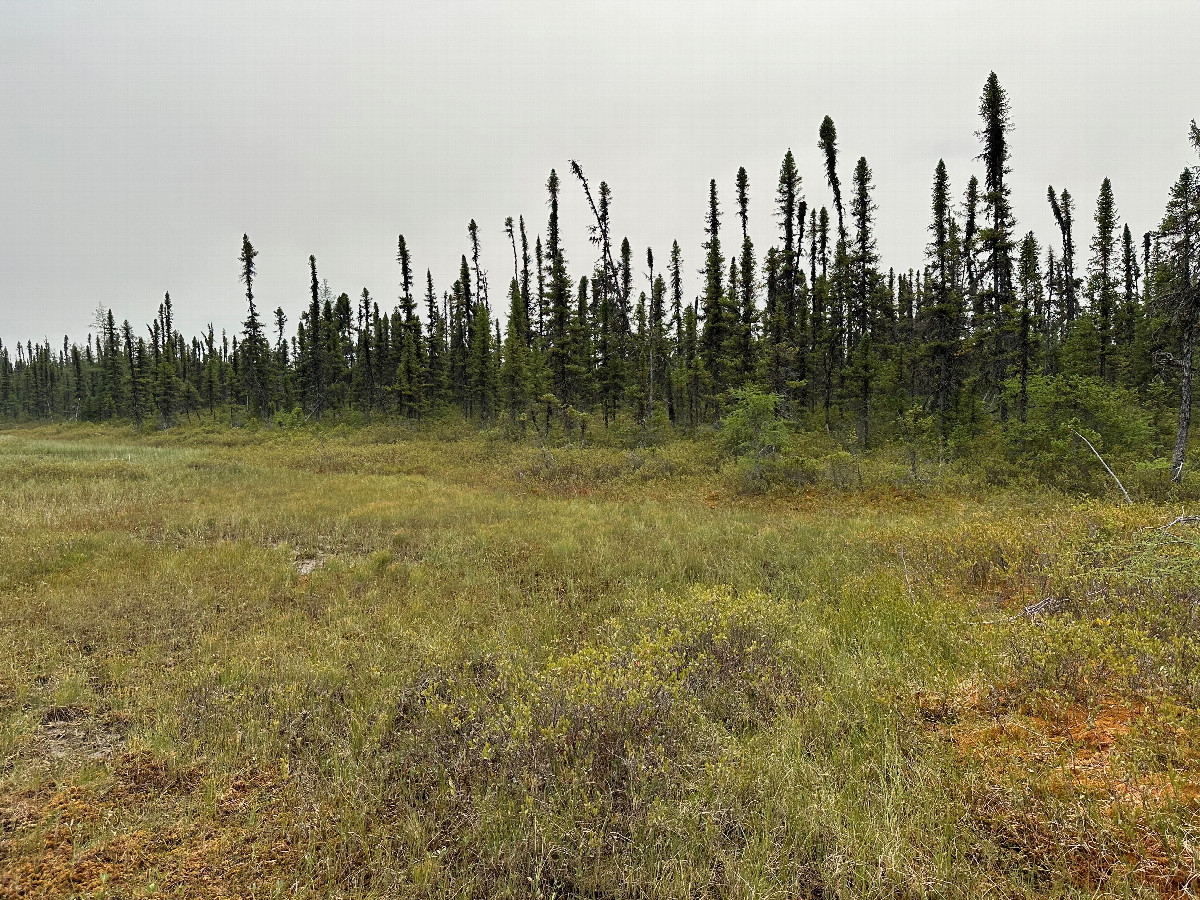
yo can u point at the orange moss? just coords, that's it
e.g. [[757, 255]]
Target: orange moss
[[1079, 757], [59, 842]]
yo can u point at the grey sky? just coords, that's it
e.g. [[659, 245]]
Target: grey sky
[[140, 140]]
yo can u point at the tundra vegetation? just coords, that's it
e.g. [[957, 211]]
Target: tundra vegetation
[[401, 661], [828, 582]]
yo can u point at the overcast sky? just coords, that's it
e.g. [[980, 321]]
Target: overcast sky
[[138, 141]]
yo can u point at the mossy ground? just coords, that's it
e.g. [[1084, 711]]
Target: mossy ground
[[380, 663]]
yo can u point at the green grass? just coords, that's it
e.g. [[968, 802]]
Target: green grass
[[380, 663]]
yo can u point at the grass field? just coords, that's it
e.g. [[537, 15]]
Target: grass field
[[373, 663]]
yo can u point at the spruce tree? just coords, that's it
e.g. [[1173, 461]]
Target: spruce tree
[[944, 316], [141, 380], [674, 376], [111, 399], [211, 377], [863, 277], [481, 284], [1000, 298], [480, 377], [775, 353], [970, 247], [363, 377], [1029, 279], [559, 300], [314, 385], [409, 377], [838, 333], [865, 259], [691, 367], [1051, 316], [800, 336], [335, 326], [578, 352], [1063, 208], [625, 297], [1102, 281], [137, 396], [716, 324], [6, 383], [460, 330], [827, 141], [609, 310], [515, 393], [1129, 317], [540, 260], [511, 233], [525, 285], [280, 360], [255, 350], [609, 361], [822, 238], [435, 343], [747, 281], [787, 198], [656, 368]]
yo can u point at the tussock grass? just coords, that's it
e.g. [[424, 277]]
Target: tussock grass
[[385, 663]]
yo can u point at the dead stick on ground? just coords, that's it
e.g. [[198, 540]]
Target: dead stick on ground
[[1031, 612], [1103, 463], [1180, 520]]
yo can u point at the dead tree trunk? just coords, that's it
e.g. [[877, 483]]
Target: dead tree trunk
[[1187, 360]]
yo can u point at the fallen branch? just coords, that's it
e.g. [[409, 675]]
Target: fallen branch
[[1175, 537], [1180, 520], [1103, 463], [1041, 608]]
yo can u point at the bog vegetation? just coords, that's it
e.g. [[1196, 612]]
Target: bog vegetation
[[379, 662], [831, 582]]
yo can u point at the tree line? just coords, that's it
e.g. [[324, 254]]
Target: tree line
[[990, 324]]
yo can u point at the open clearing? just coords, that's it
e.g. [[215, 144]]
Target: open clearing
[[372, 663]]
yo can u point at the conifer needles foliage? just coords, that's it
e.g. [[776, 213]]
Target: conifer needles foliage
[[989, 323]]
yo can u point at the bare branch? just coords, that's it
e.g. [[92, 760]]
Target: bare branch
[[1031, 612], [1180, 520], [1103, 463]]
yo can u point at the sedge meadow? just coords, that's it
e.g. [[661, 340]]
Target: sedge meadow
[[430, 662]]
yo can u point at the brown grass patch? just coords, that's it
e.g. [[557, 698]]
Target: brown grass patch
[[72, 840], [1088, 750], [1088, 786]]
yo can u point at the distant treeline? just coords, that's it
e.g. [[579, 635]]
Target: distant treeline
[[992, 324]]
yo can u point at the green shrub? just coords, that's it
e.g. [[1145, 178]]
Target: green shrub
[[1046, 446], [753, 434], [595, 743]]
